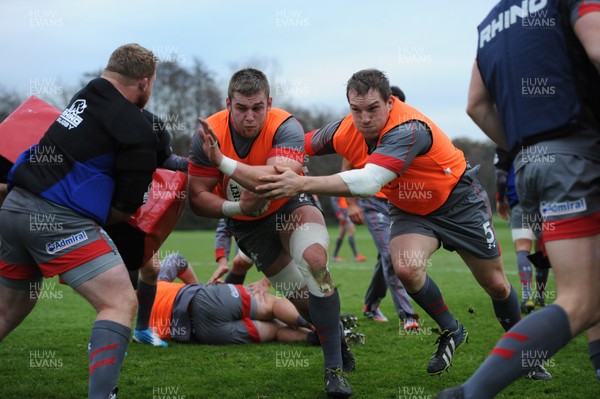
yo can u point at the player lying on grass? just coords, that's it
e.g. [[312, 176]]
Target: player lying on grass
[[221, 313]]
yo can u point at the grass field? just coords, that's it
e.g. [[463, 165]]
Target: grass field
[[46, 356]]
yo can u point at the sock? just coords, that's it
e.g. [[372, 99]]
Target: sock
[[338, 245], [352, 245], [145, 294], [429, 297], [524, 273], [302, 322], [594, 349], [312, 338], [233, 278], [108, 343], [377, 287], [541, 278], [508, 311], [527, 344], [325, 315]]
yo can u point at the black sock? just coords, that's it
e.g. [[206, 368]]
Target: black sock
[[541, 279], [146, 295], [312, 338], [429, 297], [233, 278], [338, 245], [508, 311], [352, 245], [106, 350], [325, 315]]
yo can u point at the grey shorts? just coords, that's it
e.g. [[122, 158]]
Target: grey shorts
[[464, 222], [519, 229], [41, 239], [223, 314], [559, 193], [259, 239], [516, 218]]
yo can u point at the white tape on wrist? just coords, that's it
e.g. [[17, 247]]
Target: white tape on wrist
[[231, 208], [227, 166]]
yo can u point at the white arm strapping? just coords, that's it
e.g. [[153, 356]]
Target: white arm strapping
[[366, 182], [227, 166], [231, 208]]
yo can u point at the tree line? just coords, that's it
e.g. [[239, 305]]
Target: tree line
[[182, 94]]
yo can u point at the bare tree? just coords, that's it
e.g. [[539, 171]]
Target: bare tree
[[182, 95], [9, 101]]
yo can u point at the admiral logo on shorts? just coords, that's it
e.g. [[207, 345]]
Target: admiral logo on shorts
[[562, 208], [57, 246], [70, 117]]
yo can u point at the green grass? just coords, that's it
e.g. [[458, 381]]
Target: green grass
[[46, 356]]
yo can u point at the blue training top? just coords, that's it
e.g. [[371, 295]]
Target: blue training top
[[537, 72], [100, 152]]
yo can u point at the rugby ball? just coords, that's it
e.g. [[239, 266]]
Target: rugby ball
[[233, 190]]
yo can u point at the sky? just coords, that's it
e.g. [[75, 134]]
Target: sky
[[308, 48]]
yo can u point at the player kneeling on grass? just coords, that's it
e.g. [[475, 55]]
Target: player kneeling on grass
[[215, 314]]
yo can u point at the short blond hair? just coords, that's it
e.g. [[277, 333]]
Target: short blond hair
[[132, 61]]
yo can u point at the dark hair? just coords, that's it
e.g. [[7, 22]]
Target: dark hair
[[398, 93], [363, 81], [248, 82], [132, 61]]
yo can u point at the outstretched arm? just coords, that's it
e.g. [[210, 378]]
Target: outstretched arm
[[364, 182]]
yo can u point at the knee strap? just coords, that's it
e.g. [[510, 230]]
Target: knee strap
[[288, 281], [318, 281]]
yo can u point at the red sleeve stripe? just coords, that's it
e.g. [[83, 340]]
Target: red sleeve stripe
[[287, 152], [394, 164], [219, 253], [307, 147], [202, 171], [586, 8]]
